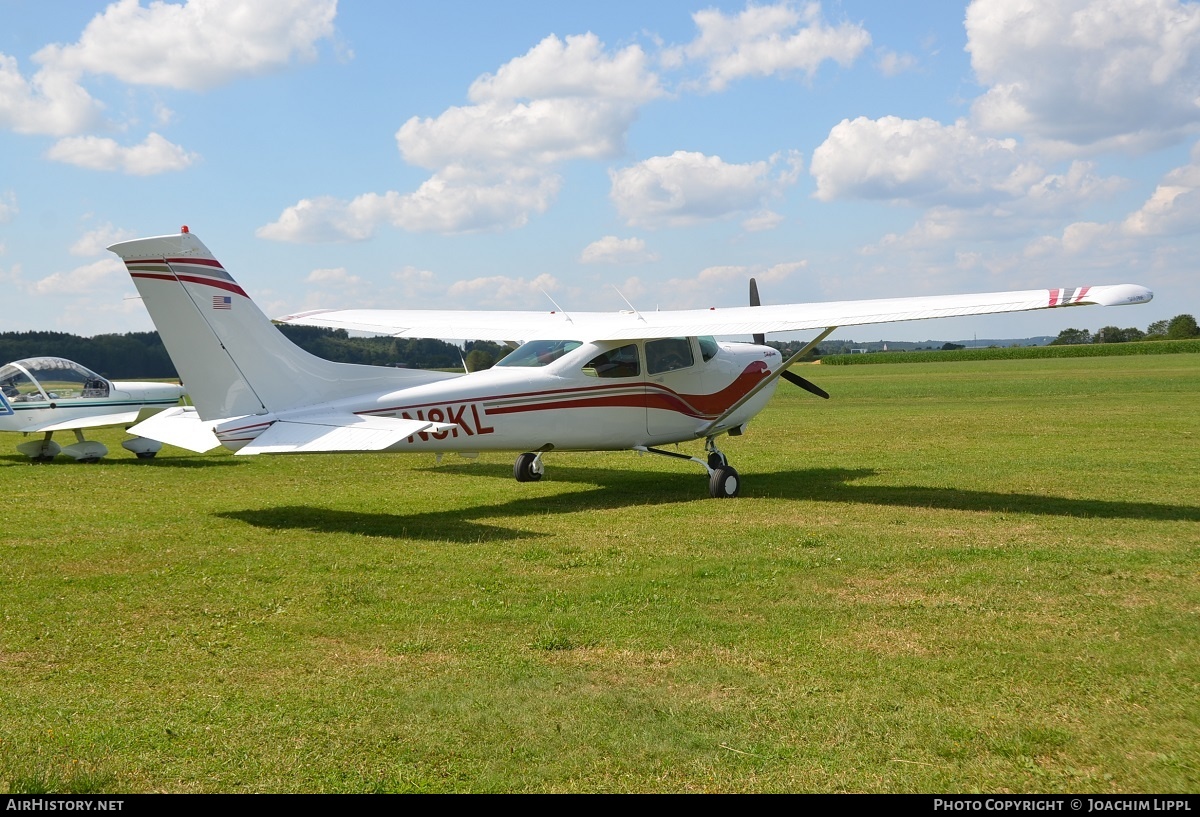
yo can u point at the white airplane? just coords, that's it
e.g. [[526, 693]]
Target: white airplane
[[578, 381], [42, 395]]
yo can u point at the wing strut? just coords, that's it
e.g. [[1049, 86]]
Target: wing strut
[[715, 425]]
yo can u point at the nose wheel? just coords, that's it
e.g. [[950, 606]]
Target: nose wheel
[[724, 482]]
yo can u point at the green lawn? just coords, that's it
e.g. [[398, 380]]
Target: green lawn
[[965, 577]]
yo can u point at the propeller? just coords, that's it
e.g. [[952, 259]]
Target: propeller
[[807, 385], [788, 375]]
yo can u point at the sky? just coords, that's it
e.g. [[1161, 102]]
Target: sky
[[522, 154]]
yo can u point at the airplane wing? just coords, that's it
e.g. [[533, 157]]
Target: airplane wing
[[181, 427], [738, 320], [115, 418], [337, 432]]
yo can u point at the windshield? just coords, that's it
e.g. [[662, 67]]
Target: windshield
[[538, 352]]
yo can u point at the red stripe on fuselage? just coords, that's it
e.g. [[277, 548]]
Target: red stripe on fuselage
[[637, 395]]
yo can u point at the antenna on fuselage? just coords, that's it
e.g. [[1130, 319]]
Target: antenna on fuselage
[[631, 306], [556, 306]]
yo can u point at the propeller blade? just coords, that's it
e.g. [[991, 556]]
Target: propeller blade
[[759, 337], [807, 385]]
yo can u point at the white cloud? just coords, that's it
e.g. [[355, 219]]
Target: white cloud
[[154, 155], [892, 63], [541, 132], [12, 277], [1115, 73], [332, 276], [93, 316], [105, 274], [560, 101], [688, 188], [415, 284], [578, 68], [96, 242], [914, 160], [52, 103], [451, 202], [727, 284], [197, 45], [494, 162], [1174, 206], [767, 40], [501, 290], [613, 250], [761, 221], [8, 206]]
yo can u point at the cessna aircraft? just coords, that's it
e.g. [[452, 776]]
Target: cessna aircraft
[[578, 381], [42, 395]]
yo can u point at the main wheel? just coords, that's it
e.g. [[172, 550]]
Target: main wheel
[[527, 468], [724, 483]]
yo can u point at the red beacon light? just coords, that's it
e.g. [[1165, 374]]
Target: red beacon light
[[183, 229]]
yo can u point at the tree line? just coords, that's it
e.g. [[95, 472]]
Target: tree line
[[1180, 327], [142, 354]]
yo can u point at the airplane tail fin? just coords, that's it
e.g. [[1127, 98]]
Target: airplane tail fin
[[231, 358]]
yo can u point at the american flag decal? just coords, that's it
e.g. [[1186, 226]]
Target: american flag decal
[[222, 302]]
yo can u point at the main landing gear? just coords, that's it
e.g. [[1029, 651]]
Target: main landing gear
[[83, 450], [529, 467], [723, 479]]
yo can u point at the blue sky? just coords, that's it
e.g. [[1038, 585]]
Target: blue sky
[[486, 155]]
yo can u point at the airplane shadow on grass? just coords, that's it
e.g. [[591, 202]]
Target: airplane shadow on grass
[[126, 461], [616, 490]]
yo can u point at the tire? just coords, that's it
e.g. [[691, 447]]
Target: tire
[[724, 483], [527, 468]]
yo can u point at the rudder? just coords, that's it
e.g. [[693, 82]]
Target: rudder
[[232, 359]]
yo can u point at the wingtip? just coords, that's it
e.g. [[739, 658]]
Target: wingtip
[[1120, 295]]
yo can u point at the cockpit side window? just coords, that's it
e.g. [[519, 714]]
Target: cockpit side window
[[621, 362], [708, 347], [537, 353], [668, 354]]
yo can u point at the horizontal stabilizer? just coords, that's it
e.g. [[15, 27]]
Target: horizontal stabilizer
[[337, 432], [181, 427]]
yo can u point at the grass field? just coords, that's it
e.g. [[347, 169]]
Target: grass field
[[970, 577]]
